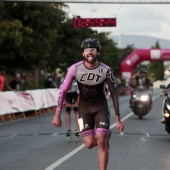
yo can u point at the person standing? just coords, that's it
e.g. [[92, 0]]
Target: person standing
[[91, 76], [51, 81], [71, 102], [15, 84], [2, 78]]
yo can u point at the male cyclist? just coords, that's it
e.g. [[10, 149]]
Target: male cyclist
[[91, 76]]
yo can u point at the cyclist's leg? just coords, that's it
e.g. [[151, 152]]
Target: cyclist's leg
[[89, 139], [86, 124], [102, 121], [101, 137]]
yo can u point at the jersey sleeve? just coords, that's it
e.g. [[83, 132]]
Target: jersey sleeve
[[65, 86], [113, 90]]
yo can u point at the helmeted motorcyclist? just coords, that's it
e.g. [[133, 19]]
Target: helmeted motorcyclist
[[142, 80]]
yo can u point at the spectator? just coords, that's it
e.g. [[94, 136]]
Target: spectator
[[2, 78], [15, 84], [71, 102], [51, 81], [54, 83]]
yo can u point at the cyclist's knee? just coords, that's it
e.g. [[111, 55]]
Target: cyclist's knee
[[89, 144], [88, 138], [101, 135]]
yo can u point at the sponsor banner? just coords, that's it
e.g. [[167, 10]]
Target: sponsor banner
[[13, 102], [7, 101]]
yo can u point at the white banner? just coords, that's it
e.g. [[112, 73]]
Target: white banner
[[13, 102]]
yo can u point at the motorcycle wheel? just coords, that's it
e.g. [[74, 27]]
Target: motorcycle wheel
[[140, 113]]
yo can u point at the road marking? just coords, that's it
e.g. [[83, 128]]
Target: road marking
[[147, 134], [13, 135], [35, 134], [54, 134], [69, 155], [64, 158]]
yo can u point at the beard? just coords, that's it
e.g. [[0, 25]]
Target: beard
[[91, 59]]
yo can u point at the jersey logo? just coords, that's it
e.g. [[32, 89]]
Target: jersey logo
[[111, 75], [90, 76]]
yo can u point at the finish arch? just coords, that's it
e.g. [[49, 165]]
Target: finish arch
[[139, 55]]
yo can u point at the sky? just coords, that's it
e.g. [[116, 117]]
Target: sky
[[132, 19]]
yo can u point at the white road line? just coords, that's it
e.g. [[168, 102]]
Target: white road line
[[147, 134], [35, 134], [54, 134], [60, 161], [69, 155], [13, 135]]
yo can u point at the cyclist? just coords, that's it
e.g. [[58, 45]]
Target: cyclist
[[91, 76]]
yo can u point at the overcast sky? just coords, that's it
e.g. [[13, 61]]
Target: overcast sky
[[132, 19]]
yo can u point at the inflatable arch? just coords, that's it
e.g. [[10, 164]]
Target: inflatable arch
[[139, 55]]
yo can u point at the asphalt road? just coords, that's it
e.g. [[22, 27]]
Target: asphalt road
[[34, 144]]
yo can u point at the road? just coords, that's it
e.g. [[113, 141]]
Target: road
[[34, 144]]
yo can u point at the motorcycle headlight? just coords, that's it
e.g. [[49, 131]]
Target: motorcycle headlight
[[168, 106], [134, 96], [144, 98], [167, 114]]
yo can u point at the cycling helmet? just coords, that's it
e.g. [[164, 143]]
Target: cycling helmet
[[91, 43], [143, 70]]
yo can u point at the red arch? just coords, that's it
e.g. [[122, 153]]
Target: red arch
[[139, 55]]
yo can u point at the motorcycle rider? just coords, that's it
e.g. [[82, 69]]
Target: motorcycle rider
[[166, 92], [141, 79], [142, 75]]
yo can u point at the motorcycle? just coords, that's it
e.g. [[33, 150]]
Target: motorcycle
[[166, 108], [141, 101]]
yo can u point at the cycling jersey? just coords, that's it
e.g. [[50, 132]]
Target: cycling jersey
[[90, 83]]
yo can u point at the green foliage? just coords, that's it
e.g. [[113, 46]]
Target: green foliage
[[156, 69], [38, 35]]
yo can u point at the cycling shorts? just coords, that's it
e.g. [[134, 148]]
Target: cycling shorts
[[71, 97], [93, 115]]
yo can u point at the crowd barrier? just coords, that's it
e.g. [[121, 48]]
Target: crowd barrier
[[12, 102]]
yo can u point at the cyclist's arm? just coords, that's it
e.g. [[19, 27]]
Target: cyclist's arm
[[113, 90]]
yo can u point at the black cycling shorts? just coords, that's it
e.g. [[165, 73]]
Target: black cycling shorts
[[71, 97], [68, 109], [93, 115]]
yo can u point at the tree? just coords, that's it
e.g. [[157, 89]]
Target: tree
[[156, 69], [36, 35], [35, 30]]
